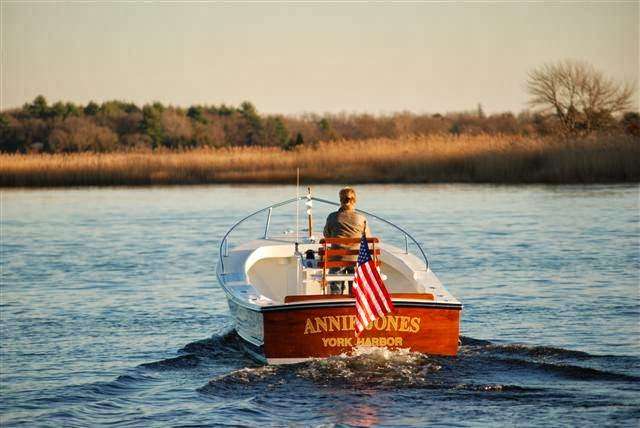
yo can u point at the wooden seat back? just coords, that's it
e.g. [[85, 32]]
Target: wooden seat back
[[334, 247]]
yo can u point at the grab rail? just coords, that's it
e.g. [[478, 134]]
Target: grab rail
[[224, 243], [406, 234]]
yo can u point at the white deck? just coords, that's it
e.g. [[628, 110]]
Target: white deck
[[260, 273]]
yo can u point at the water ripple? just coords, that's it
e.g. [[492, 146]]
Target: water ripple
[[110, 313]]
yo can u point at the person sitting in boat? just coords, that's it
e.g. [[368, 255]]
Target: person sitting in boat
[[345, 223]]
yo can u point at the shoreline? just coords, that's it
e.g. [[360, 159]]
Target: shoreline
[[436, 159], [311, 183]]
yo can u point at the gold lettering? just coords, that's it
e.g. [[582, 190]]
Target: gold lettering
[[343, 322], [352, 322], [392, 323], [404, 323], [369, 326], [347, 322], [415, 324], [321, 324], [309, 327], [382, 341], [334, 322], [329, 342], [367, 341], [375, 341], [398, 341]]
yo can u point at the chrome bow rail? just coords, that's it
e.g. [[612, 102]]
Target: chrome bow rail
[[224, 244]]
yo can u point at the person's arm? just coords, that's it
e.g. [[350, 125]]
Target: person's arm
[[327, 228]]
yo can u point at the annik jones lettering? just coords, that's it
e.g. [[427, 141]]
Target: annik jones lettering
[[347, 322]]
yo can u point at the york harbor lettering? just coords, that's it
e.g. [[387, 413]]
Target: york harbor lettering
[[347, 323], [341, 342]]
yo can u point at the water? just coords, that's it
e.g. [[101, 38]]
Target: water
[[111, 314]]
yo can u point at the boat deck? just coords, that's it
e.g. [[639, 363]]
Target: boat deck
[[265, 273]]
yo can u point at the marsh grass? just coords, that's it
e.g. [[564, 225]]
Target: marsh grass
[[435, 158]]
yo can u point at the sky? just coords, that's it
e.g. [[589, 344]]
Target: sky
[[293, 58]]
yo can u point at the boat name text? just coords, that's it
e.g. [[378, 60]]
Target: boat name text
[[347, 322]]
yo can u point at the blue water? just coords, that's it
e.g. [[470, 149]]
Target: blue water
[[111, 313]]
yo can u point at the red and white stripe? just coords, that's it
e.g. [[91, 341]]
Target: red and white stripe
[[372, 298]]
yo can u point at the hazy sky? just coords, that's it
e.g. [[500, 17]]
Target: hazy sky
[[291, 58]]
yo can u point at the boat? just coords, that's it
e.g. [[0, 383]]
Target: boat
[[282, 309]]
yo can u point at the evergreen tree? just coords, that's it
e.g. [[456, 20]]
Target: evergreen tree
[[275, 132], [253, 134], [91, 109], [151, 124], [197, 113], [292, 144], [38, 108]]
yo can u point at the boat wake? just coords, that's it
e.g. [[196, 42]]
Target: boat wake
[[483, 373], [220, 348], [481, 366]]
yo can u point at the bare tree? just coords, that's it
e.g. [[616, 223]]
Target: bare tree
[[582, 98]]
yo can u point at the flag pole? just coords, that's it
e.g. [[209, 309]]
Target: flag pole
[[297, 206]]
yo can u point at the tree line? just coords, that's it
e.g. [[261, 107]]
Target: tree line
[[570, 98]]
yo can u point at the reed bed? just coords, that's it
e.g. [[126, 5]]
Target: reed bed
[[412, 159]]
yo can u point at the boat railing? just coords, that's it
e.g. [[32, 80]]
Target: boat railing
[[224, 244]]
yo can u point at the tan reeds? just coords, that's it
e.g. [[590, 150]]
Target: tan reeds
[[436, 158]]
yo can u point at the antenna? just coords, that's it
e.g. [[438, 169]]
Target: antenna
[[309, 205], [297, 206], [297, 251]]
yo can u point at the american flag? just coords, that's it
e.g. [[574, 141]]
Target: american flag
[[372, 298]]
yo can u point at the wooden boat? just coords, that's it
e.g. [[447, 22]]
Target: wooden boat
[[278, 296]]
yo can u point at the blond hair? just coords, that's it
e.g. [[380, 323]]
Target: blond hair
[[347, 196]]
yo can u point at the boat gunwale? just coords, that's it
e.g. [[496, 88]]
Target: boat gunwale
[[347, 301]]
